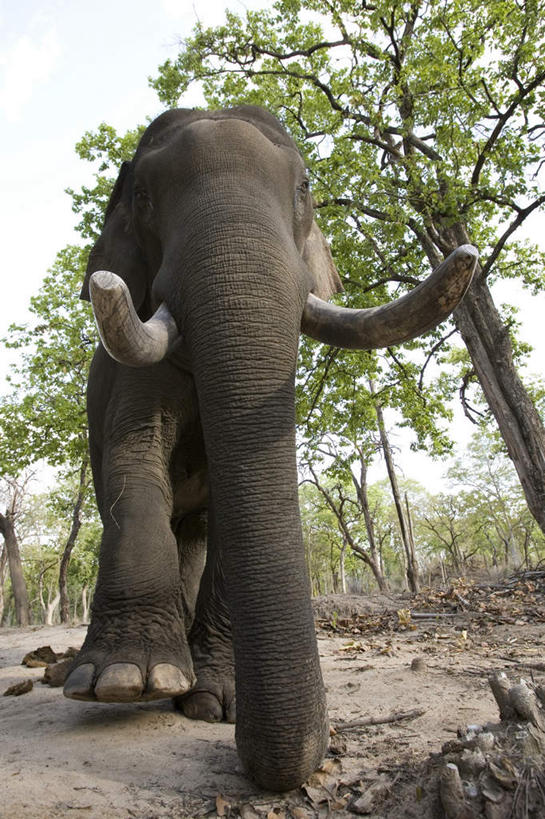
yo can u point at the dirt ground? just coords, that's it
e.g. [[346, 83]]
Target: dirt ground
[[383, 656]]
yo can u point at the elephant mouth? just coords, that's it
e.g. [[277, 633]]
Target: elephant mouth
[[135, 343]]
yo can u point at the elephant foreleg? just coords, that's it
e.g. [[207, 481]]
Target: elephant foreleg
[[136, 646], [213, 696]]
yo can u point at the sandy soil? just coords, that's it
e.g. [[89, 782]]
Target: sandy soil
[[64, 758]]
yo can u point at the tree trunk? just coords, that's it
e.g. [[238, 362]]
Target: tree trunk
[[342, 572], [71, 542], [18, 585], [84, 604], [3, 564], [408, 545], [50, 609], [489, 346], [363, 500]]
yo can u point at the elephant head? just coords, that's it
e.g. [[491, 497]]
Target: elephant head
[[216, 261]]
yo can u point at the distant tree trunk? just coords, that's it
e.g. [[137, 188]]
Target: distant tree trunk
[[85, 604], [48, 608], [408, 544], [342, 572], [71, 542], [51, 605], [363, 500], [18, 585], [3, 564]]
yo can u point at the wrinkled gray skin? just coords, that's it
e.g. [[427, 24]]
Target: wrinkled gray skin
[[213, 218]]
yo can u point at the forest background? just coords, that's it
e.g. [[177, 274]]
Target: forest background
[[422, 125]]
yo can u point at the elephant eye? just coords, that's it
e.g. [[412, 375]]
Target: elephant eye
[[141, 199], [304, 187]]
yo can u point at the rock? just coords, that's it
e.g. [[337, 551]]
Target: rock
[[419, 664], [56, 673], [19, 688], [70, 653], [40, 657]]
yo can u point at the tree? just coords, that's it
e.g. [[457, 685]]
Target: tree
[[423, 127], [44, 417], [452, 530], [492, 495], [14, 491]]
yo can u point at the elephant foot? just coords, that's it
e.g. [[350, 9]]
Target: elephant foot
[[209, 702], [123, 682], [212, 699], [119, 663]]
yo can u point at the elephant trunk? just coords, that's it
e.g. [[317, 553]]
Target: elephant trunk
[[242, 333]]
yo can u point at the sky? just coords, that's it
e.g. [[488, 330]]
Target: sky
[[65, 67]]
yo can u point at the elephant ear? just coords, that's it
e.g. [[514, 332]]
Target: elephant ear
[[318, 258], [116, 249]]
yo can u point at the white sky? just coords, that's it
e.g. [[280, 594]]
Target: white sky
[[66, 66]]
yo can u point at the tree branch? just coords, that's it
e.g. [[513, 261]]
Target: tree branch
[[516, 223], [503, 120]]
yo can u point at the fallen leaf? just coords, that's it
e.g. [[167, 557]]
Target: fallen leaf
[[223, 807], [404, 617], [353, 645], [300, 813]]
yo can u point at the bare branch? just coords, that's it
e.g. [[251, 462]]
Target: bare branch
[[516, 223], [430, 355]]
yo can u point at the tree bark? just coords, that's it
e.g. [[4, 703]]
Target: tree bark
[[18, 584], [71, 542], [408, 545], [3, 564], [363, 500], [488, 343]]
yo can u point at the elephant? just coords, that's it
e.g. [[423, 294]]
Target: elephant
[[208, 267]]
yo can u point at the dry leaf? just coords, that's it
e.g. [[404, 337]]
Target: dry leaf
[[222, 806], [353, 645], [404, 617]]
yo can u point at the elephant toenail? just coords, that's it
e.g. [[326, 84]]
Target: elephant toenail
[[120, 682], [166, 680], [79, 684]]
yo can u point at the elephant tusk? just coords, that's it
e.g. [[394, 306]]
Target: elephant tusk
[[407, 317], [126, 338]]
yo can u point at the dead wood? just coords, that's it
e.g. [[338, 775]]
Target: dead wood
[[365, 723], [521, 664]]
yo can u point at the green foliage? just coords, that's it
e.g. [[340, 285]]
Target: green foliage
[[107, 150], [43, 525], [415, 119], [44, 416]]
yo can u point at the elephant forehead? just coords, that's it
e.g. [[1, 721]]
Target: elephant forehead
[[223, 145]]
